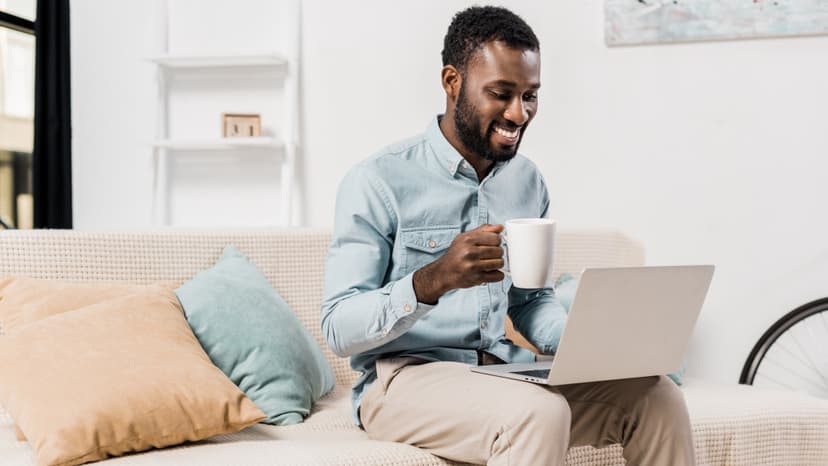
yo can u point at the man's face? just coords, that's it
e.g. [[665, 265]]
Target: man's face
[[497, 100]]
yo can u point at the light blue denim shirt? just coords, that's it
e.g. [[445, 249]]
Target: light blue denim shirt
[[398, 211]]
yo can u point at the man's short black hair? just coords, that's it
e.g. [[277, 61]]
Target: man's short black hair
[[473, 27]]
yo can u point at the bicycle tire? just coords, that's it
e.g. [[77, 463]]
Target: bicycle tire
[[772, 334]]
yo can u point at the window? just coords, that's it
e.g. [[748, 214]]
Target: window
[[17, 70]]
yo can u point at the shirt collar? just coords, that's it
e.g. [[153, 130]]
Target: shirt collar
[[448, 156], [446, 153]]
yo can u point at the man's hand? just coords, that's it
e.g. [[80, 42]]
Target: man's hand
[[473, 258]]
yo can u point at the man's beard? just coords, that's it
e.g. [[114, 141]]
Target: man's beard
[[471, 133]]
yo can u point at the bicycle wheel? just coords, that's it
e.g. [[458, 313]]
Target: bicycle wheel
[[793, 353]]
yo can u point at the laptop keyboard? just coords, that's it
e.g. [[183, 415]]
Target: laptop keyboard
[[539, 373]]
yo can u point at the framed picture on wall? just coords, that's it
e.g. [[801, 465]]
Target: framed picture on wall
[[631, 22]]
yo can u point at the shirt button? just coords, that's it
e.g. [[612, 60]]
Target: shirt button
[[407, 308], [483, 325], [432, 244], [385, 332]]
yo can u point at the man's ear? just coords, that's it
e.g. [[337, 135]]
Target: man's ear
[[452, 81]]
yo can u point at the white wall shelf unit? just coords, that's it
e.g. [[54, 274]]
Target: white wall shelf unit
[[200, 80], [219, 61], [263, 142]]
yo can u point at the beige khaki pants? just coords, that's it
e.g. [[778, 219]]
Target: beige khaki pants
[[463, 416]]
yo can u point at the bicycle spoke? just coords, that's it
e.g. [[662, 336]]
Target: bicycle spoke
[[814, 384], [818, 345], [794, 357], [782, 347], [793, 337], [771, 379], [824, 319]]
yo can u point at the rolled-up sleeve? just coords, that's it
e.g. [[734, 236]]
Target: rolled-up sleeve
[[538, 316], [360, 311], [536, 313]]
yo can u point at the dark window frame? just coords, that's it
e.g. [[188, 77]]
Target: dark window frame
[[52, 149], [16, 23]]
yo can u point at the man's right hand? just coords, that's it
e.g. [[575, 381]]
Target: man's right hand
[[473, 258]]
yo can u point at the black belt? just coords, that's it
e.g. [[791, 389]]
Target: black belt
[[486, 359]]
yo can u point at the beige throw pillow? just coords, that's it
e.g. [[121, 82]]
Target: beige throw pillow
[[126, 374], [24, 300]]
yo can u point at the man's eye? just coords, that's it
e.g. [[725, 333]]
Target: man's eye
[[530, 97], [499, 95]]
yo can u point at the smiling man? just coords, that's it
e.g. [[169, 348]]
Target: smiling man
[[414, 296]]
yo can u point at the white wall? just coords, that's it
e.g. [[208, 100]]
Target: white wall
[[113, 113], [707, 152], [115, 110]]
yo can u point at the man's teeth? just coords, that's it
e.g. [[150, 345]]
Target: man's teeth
[[506, 134]]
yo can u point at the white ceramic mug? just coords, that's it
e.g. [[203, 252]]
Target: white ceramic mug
[[530, 251]]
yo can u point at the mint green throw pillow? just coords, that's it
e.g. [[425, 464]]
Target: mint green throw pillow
[[250, 333], [565, 287]]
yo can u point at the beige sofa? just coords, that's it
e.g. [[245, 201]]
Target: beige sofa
[[732, 424]]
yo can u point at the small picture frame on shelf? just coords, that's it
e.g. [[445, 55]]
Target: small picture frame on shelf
[[241, 125]]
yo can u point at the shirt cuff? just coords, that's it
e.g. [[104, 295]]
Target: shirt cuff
[[404, 304], [553, 338]]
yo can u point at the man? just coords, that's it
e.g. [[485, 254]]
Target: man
[[414, 296]]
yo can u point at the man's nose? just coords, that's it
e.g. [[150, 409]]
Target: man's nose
[[516, 112]]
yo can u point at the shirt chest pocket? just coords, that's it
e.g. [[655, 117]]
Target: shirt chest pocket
[[422, 246]]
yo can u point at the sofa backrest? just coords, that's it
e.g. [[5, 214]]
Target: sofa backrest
[[292, 259]]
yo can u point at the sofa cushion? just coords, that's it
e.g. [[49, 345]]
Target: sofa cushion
[[732, 425], [126, 374], [251, 334], [745, 425]]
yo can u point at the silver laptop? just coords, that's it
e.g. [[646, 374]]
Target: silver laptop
[[624, 322]]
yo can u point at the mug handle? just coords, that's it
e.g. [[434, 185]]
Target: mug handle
[[506, 250]]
